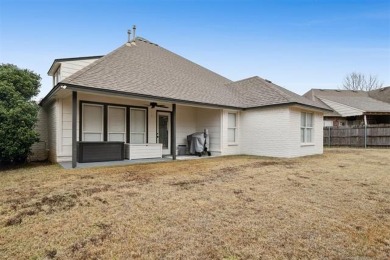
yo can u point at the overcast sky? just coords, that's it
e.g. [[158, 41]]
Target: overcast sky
[[299, 44]]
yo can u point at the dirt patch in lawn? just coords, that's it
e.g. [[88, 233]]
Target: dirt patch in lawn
[[335, 206]]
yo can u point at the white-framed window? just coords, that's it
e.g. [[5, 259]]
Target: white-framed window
[[92, 125], [138, 126], [306, 127], [232, 127], [116, 124]]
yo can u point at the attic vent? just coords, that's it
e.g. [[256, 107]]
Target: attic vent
[[267, 80], [338, 90], [321, 89]]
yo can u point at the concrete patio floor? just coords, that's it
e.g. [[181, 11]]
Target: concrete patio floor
[[68, 165]]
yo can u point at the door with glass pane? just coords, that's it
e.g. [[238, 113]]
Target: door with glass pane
[[164, 131]]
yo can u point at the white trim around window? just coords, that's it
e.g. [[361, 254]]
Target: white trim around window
[[232, 128], [93, 122], [116, 125], [138, 125], [307, 120]]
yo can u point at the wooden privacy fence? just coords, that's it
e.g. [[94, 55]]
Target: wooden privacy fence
[[358, 136]]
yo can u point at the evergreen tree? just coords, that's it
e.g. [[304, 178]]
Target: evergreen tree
[[18, 113]]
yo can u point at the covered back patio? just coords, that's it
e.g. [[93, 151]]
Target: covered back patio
[[96, 128]]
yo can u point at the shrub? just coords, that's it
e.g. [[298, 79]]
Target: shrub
[[18, 113]]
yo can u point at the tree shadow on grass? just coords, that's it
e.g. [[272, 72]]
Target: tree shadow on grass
[[26, 165]]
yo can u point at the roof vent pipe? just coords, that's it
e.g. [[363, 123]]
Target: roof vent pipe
[[128, 34], [134, 32]]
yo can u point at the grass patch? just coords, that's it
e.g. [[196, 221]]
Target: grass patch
[[333, 206]]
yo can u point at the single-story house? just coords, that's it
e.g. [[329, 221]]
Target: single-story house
[[150, 99], [351, 107]]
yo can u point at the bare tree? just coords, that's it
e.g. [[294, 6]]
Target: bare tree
[[358, 81], [373, 83]]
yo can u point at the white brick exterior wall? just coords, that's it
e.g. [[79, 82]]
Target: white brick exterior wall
[[298, 149], [275, 132], [66, 131], [185, 123], [52, 117], [191, 119], [210, 119], [39, 150], [265, 132]]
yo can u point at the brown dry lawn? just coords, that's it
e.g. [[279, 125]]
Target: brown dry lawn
[[334, 206]]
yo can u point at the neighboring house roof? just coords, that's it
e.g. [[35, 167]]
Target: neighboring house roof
[[382, 94], [349, 102], [145, 69]]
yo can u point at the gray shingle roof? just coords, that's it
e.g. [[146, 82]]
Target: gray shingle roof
[[144, 68], [356, 99], [382, 94], [256, 92]]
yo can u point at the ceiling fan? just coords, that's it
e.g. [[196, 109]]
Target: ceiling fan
[[154, 105]]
